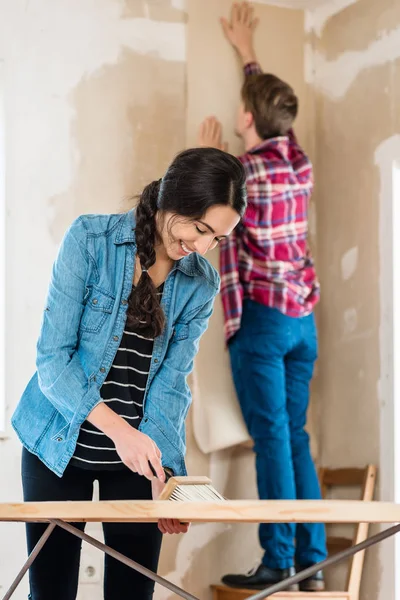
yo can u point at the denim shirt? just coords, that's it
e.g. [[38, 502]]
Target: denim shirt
[[82, 326]]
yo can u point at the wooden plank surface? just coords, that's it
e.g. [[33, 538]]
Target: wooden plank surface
[[245, 511], [221, 592]]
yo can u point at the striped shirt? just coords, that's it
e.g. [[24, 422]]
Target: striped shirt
[[267, 258], [123, 391]]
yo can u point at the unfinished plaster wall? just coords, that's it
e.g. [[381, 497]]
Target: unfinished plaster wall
[[214, 80], [354, 67], [95, 108]]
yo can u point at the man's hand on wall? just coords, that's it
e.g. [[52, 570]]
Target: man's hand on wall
[[210, 134], [240, 30]]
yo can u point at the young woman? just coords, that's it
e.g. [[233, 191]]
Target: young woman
[[129, 298]]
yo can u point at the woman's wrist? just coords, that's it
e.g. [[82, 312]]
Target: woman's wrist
[[107, 421]]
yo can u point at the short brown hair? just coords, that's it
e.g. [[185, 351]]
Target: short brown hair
[[272, 102]]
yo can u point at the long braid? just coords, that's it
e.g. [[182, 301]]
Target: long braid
[[144, 310]]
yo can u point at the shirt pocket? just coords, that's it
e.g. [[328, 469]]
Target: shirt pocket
[[99, 305], [181, 332]]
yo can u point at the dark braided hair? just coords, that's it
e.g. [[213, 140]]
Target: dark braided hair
[[196, 180], [144, 310]]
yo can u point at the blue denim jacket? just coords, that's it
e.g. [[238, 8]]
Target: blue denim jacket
[[82, 325]]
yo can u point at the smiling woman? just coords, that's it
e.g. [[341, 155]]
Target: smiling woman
[[129, 299], [198, 202]]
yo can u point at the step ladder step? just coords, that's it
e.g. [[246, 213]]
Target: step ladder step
[[222, 592]]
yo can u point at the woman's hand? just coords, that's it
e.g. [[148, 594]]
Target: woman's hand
[[172, 526], [167, 525], [135, 448]]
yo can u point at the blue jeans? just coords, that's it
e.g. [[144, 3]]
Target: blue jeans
[[272, 359]]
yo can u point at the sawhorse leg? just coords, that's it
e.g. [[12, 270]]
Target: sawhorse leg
[[30, 560]]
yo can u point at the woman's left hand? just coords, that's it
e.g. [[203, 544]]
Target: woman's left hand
[[172, 526], [167, 525]]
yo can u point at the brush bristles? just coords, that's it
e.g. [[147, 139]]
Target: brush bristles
[[195, 493], [192, 489]]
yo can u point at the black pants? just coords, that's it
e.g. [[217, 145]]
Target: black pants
[[54, 573]]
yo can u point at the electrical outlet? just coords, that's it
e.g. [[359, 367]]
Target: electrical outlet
[[91, 569]]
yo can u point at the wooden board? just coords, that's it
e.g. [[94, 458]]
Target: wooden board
[[221, 592], [243, 511]]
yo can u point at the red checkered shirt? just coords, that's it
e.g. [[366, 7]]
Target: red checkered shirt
[[267, 258]]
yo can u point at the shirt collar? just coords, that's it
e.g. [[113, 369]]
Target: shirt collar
[[269, 142], [126, 229]]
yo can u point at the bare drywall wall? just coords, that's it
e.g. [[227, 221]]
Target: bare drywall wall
[[355, 73], [214, 80]]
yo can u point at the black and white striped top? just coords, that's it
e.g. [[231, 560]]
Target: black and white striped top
[[123, 391]]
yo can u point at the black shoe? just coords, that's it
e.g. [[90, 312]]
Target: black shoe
[[260, 578], [315, 583]]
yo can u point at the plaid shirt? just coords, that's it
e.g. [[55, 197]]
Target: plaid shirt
[[266, 259]]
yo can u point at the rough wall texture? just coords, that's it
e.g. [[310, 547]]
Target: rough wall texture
[[214, 78]]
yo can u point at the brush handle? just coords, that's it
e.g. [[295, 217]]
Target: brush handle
[[168, 475]]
